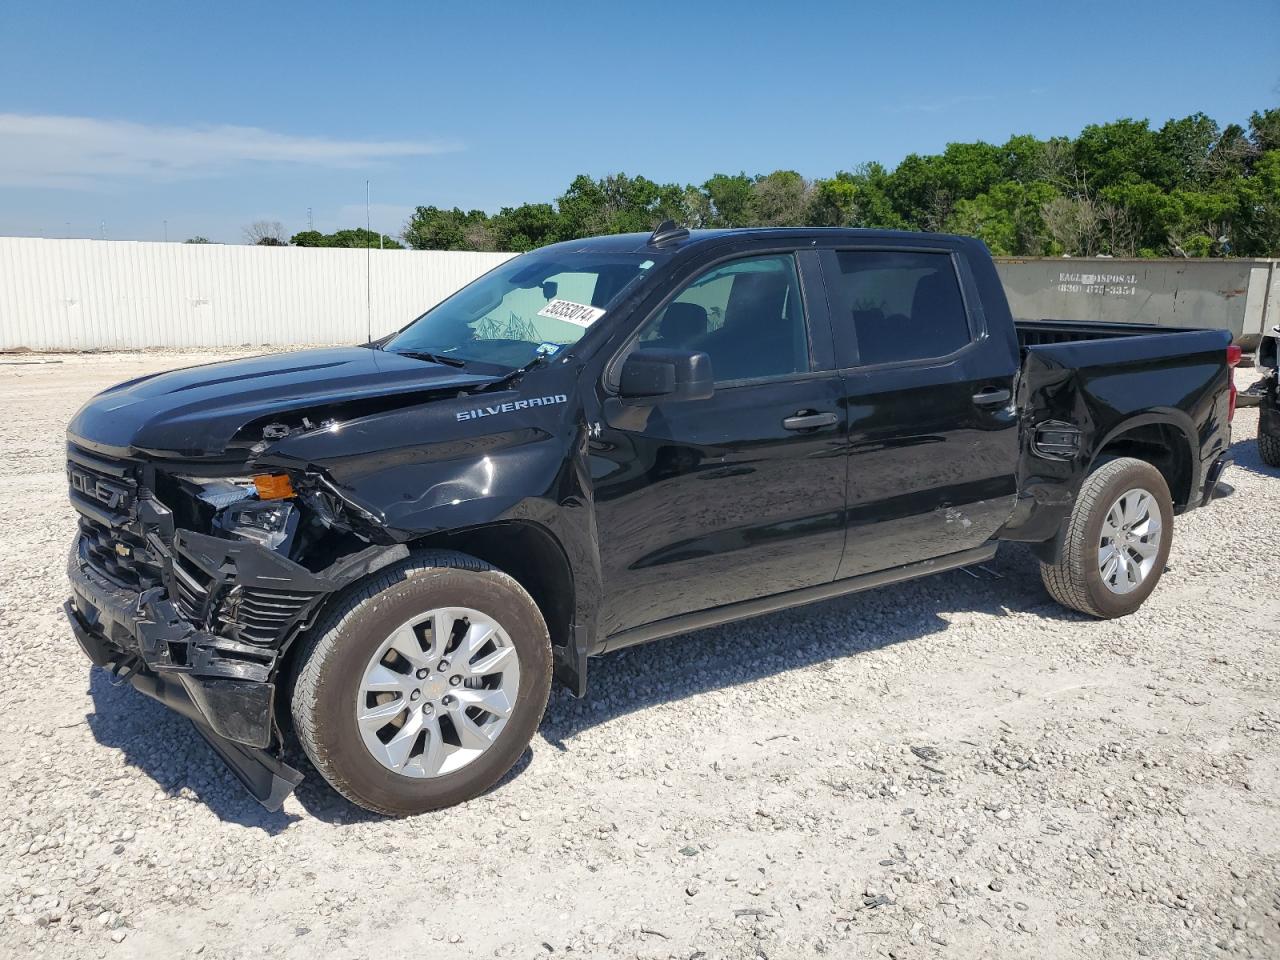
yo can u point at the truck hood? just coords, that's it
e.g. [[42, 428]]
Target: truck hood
[[198, 411]]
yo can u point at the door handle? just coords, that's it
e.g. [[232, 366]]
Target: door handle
[[808, 420], [991, 397]]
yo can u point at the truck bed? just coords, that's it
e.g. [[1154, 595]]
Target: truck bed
[[1039, 332], [1098, 379], [1066, 344]]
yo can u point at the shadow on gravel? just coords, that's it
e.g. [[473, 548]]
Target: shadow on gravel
[[324, 803], [1244, 452], [167, 748], [817, 634]]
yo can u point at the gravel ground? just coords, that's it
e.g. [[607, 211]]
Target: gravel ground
[[954, 767]]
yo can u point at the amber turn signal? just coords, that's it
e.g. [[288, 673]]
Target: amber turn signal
[[273, 486]]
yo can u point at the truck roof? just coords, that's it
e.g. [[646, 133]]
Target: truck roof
[[637, 242]]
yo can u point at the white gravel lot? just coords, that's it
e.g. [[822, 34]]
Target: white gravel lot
[[954, 767]]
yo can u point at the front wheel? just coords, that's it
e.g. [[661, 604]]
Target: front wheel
[[1116, 542], [424, 685]]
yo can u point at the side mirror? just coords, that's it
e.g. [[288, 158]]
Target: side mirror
[[661, 374]]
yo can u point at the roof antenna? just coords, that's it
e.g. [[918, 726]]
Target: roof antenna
[[667, 232], [368, 269]]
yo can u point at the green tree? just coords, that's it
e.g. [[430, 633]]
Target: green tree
[[526, 227], [1122, 188], [617, 203], [730, 200], [779, 199], [1122, 152], [1264, 130], [431, 228], [359, 237], [1258, 209], [1008, 218], [832, 202]]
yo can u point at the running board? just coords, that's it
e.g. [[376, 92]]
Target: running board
[[687, 623]]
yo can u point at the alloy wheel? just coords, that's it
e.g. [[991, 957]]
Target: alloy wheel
[[437, 692]]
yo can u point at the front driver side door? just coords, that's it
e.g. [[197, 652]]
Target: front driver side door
[[741, 495]]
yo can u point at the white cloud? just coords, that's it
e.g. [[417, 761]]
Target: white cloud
[[82, 152]]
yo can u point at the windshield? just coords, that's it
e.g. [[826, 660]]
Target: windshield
[[539, 303]]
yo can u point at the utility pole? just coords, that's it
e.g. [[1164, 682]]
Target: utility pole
[[166, 231], [311, 224]]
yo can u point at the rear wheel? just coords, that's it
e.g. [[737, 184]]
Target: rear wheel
[[424, 685], [1116, 542], [1269, 447]]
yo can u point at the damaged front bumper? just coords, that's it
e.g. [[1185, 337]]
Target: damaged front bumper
[[207, 641], [266, 777], [228, 694]]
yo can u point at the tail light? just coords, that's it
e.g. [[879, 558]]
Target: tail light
[[1233, 358]]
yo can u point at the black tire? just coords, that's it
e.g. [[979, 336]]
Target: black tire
[[332, 662], [1075, 581], [1269, 448]]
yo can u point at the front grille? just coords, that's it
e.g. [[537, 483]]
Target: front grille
[[192, 587], [113, 553], [105, 491], [262, 615]]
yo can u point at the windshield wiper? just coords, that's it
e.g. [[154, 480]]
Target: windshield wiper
[[525, 368], [432, 357]]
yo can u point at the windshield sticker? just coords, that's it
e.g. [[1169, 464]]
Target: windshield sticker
[[547, 349], [579, 314], [511, 407], [646, 265]]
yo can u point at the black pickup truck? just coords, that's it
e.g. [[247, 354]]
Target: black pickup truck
[[390, 550]]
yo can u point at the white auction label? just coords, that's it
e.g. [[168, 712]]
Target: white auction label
[[578, 314]]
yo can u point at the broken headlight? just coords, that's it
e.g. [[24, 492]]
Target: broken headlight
[[223, 493], [239, 511], [269, 522]]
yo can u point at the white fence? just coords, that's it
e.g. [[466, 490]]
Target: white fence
[[115, 294]]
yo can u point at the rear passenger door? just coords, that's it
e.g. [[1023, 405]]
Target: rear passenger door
[[933, 438]]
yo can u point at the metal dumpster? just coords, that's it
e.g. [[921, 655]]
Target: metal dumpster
[[1242, 296]]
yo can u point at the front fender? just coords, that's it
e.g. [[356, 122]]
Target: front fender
[[425, 471]]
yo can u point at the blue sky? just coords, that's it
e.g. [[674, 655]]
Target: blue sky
[[212, 117]]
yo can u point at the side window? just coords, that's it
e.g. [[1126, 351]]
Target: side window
[[895, 305], [746, 315]]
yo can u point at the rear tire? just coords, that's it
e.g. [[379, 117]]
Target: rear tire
[[1116, 541], [351, 675], [1269, 448]]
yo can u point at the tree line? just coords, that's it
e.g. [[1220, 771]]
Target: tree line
[[1124, 189]]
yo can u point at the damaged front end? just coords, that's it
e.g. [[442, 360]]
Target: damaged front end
[[191, 581]]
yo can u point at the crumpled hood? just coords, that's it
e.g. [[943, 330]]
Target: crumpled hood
[[197, 411]]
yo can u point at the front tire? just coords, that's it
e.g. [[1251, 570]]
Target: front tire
[[1116, 542], [423, 685]]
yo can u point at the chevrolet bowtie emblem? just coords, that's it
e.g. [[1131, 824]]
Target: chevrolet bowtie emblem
[[122, 550]]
